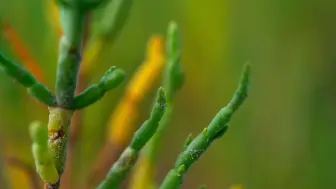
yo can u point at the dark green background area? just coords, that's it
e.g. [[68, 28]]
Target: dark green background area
[[284, 136]]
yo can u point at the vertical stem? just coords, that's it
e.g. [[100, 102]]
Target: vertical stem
[[69, 55], [77, 120], [66, 84]]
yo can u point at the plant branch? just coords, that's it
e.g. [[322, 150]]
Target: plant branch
[[112, 78], [121, 124], [173, 81], [215, 130], [73, 14], [127, 160], [77, 120], [25, 78], [66, 83]]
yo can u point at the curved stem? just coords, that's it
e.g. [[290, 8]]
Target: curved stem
[[127, 160], [25, 78], [202, 142]]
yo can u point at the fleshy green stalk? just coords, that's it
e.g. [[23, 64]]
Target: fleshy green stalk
[[112, 78], [43, 158], [128, 158], [25, 78], [66, 83], [174, 76], [215, 130], [173, 81], [69, 55], [73, 13]]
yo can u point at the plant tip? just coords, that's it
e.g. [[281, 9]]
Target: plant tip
[[161, 96], [173, 25], [113, 77], [247, 68]]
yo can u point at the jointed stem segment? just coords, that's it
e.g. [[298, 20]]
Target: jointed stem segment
[[173, 81], [66, 83], [215, 130], [25, 78], [112, 78], [72, 18], [128, 158]]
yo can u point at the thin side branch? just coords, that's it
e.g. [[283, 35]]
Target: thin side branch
[[121, 125], [25, 78], [112, 78], [215, 130], [127, 160], [144, 175]]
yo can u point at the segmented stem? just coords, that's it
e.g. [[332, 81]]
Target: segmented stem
[[127, 160], [25, 78], [217, 127]]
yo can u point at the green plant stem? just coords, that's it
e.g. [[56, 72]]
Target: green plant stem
[[127, 160], [173, 81], [215, 130], [153, 147], [69, 55], [25, 78], [112, 78], [43, 158], [66, 83]]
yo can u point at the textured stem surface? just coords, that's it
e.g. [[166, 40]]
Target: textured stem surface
[[144, 176], [127, 160], [25, 78], [200, 144], [58, 131], [66, 82], [43, 158]]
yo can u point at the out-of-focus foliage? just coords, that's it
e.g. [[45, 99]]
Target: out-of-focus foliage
[[283, 137]]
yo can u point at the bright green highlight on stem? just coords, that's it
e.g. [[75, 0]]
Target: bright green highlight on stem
[[112, 78], [127, 160], [43, 158], [215, 130], [25, 78]]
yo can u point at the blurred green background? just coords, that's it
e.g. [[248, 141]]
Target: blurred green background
[[284, 136]]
